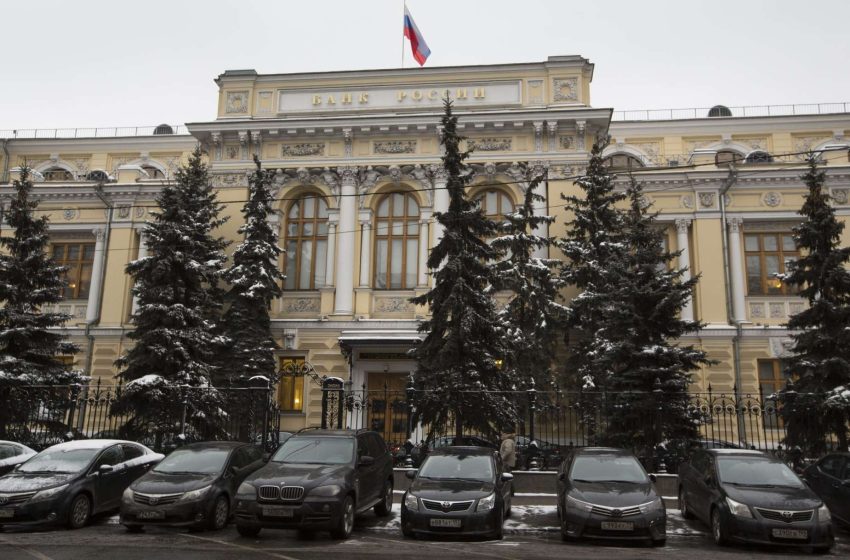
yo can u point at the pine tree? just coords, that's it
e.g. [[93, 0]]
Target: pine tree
[[650, 372], [30, 281], [817, 402], [253, 277], [532, 315], [458, 377], [176, 335]]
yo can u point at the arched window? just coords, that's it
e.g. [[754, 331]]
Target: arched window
[[57, 174], [495, 203], [306, 243], [759, 156], [97, 175], [726, 157], [153, 172], [622, 162], [397, 242]]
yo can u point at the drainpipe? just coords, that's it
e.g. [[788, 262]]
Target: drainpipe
[[3, 175], [98, 190], [730, 318]]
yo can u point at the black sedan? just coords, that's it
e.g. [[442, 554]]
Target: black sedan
[[830, 479], [193, 486], [69, 482], [605, 493], [457, 490], [13, 454], [748, 496]]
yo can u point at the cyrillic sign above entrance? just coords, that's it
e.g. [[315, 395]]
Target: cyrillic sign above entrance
[[408, 97]]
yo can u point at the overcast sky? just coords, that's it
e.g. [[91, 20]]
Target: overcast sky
[[116, 63]]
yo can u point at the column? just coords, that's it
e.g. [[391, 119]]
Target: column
[[736, 270], [441, 199], [422, 279], [344, 301], [333, 218], [143, 252], [541, 208], [682, 244], [365, 248], [96, 276]]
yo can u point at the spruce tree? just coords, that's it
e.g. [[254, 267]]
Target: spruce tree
[[532, 316], [254, 280], [30, 281], [649, 371], [176, 336], [816, 405], [458, 378]]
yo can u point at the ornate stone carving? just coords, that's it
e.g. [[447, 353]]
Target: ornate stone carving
[[80, 311], [302, 150], [225, 180], [140, 211], [781, 347], [69, 213], [215, 138], [706, 199], [777, 310], [348, 139], [439, 173], [392, 305], [567, 142], [682, 225], [538, 136], [687, 201], [257, 141], [232, 152], [756, 311], [565, 89], [99, 234], [580, 130], [490, 144], [651, 149], [347, 174], [395, 147], [237, 102], [840, 196], [693, 145], [772, 199], [796, 307], [301, 305], [734, 224], [803, 144], [124, 211]]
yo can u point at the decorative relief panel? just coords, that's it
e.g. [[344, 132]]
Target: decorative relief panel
[[535, 91], [756, 310], [706, 200], [230, 180], [772, 199], [395, 147], [237, 102], [231, 152], [302, 150], [301, 304], [691, 145], [69, 213], [687, 201], [567, 142], [754, 142], [565, 89], [651, 149], [777, 310], [804, 144], [123, 211], [489, 144], [840, 196], [781, 347], [392, 304]]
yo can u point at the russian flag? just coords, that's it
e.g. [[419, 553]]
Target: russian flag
[[421, 52]]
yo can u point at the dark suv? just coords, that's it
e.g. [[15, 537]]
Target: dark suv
[[318, 479]]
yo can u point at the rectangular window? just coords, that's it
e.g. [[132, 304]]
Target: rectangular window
[[768, 254], [79, 258], [772, 379], [291, 387]]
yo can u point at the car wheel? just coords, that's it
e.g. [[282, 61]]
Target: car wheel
[[499, 532], [346, 520], [407, 532], [683, 505], [220, 513], [134, 528], [718, 530], [79, 512], [385, 506], [565, 536], [248, 531]]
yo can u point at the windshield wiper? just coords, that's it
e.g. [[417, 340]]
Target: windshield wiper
[[748, 485], [463, 479], [179, 472]]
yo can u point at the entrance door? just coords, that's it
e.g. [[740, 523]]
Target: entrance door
[[387, 407]]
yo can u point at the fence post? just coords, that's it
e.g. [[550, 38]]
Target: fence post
[[72, 407], [408, 393], [533, 463], [185, 402], [658, 433]]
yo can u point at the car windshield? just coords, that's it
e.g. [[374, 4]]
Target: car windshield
[[471, 467], [316, 451], [59, 461], [194, 461], [607, 468], [756, 472], [7, 451]]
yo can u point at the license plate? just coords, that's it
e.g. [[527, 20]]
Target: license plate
[[618, 526], [801, 534], [454, 523], [7, 513], [151, 515], [278, 511]]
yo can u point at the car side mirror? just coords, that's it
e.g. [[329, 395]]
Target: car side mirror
[[105, 469], [709, 480], [366, 461], [411, 474], [506, 477], [653, 478]]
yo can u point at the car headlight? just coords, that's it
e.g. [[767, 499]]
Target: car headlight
[[195, 494], [48, 493], [823, 514], [246, 490], [578, 504], [654, 505], [326, 491], [487, 503], [411, 502], [738, 509]]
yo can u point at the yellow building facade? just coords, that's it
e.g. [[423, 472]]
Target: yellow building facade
[[358, 180]]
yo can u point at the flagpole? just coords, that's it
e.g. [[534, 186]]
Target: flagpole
[[403, 9]]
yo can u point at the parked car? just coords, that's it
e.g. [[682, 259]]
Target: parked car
[[318, 479], [193, 486], [748, 496], [606, 493], [457, 490], [830, 480], [69, 482], [13, 454], [419, 452]]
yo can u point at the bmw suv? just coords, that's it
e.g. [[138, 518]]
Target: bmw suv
[[318, 479]]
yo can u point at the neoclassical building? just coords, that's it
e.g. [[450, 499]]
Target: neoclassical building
[[358, 180]]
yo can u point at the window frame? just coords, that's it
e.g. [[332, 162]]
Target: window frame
[[386, 224], [75, 268], [631, 162], [287, 404], [316, 222], [762, 254]]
